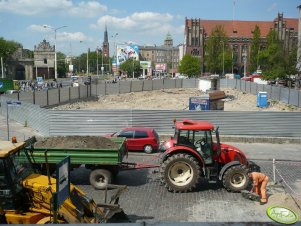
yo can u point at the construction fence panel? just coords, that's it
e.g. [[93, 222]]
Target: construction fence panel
[[53, 96], [299, 98], [268, 89], [26, 96], [190, 83], [94, 89], [179, 83], [253, 88], [40, 98], [125, 87], [293, 97], [27, 114], [137, 86], [284, 95], [169, 83], [248, 87], [74, 93], [243, 85], [260, 88], [100, 122], [88, 122], [275, 93], [147, 85], [64, 94], [157, 84], [112, 89], [83, 92], [101, 89]]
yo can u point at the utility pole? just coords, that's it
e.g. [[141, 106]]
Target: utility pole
[[97, 61]]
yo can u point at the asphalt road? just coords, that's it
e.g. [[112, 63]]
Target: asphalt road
[[148, 201]]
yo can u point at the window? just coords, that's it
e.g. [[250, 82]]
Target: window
[[126, 134], [141, 134], [2, 176]]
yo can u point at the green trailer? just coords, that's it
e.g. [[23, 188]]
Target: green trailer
[[104, 162]]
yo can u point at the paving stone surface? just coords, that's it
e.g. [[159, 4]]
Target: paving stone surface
[[148, 201]]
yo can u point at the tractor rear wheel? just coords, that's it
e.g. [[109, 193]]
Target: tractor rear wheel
[[236, 178], [180, 173]]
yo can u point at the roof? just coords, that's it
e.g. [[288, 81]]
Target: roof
[[138, 128], [7, 148], [194, 125], [238, 28]]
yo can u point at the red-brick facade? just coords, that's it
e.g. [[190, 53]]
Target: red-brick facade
[[239, 35]]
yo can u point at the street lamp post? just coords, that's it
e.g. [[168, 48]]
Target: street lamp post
[[115, 50], [87, 72], [223, 57], [97, 61], [55, 56]]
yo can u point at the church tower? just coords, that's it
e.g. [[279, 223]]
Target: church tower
[[105, 44]]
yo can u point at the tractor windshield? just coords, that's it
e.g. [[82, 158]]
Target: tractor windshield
[[21, 167]]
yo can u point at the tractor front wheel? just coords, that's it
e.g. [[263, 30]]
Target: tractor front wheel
[[180, 173], [236, 178]]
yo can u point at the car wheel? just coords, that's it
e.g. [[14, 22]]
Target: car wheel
[[148, 149]]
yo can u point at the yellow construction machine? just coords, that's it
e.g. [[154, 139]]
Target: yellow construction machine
[[26, 197]]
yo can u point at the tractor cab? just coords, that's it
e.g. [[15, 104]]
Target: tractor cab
[[15, 166], [196, 135]]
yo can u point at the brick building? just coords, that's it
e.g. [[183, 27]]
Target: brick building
[[239, 35]]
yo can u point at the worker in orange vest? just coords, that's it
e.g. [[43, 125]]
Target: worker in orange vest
[[260, 182]]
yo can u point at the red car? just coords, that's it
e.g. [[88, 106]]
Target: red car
[[139, 139]]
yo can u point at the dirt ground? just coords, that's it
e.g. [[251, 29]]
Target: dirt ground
[[174, 99], [95, 142]]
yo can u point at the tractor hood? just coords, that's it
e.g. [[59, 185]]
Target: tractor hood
[[229, 152], [167, 144]]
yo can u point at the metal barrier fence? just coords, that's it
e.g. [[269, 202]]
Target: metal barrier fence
[[57, 96], [277, 93]]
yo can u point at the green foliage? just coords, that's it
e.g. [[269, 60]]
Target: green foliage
[[62, 67], [275, 62], [217, 53], [7, 48], [129, 65], [190, 66], [255, 48]]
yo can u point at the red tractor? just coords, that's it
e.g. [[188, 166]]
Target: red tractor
[[192, 154]]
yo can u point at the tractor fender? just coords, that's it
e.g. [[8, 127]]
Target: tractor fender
[[186, 150], [227, 166]]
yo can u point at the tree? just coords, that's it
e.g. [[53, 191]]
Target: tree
[[7, 48], [61, 65], [218, 55], [272, 59], [255, 48], [190, 66], [129, 65]]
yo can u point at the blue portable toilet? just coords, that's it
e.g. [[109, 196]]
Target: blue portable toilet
[[262, 99]]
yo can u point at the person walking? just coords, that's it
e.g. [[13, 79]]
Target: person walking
[[260, 181]]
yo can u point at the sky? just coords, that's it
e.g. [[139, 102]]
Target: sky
[[142, 22]]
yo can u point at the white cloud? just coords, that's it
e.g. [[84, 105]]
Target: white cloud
[[272, 7], [88, 9], [39, 7], [143, 22]]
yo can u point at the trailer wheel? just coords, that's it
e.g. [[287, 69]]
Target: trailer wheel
[[180, 173], [100, 178], [236, 178], [148, 149]]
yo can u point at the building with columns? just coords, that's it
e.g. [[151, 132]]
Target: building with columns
[[167, 55], [299, 41], [240, 34]]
